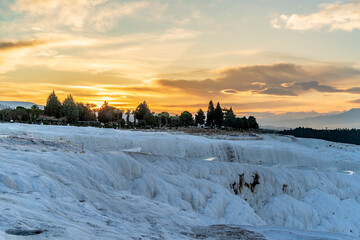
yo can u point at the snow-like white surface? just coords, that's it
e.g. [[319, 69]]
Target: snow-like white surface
[[89, 183], [15, 104]]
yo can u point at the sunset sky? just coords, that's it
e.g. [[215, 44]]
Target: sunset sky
[[254, 55]]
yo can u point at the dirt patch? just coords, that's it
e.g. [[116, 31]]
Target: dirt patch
[[225, 232]]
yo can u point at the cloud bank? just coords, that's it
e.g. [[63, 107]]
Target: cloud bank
[[284, 79]]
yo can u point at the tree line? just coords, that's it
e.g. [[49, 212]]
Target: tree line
[[20, 114], [351, 136], [71, 112]]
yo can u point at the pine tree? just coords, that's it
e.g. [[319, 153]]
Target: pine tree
[[218, 116], [200, 117], [241, 123], [141, 110], [149, 119], [229, 118], [69, 110], [253, 123], [53, 106], [210, 115], [244, 123]]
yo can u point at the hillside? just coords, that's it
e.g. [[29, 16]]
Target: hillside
[[62, 182]]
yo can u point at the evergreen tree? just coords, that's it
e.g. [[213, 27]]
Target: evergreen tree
[[210, 115], [337, 135], [200, 117], [69, 110], [186, 119], [229, 118], [53, 106], [244, 123], [141, 110], [149, 118], [241, 123], [218, 116], [253, 123]]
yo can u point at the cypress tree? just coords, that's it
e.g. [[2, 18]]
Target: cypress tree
[[53, 106], [229, 118], [244, 123], [141, 110], [200, 117], [253, 123], [69, 110], [218, 116], [210, 115], [149, 119]]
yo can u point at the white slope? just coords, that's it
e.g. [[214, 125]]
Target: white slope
[[14, 104], [90, 183]]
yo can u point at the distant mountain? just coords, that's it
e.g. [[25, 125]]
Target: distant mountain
[[347, 119], [14, 104], [276, 128]]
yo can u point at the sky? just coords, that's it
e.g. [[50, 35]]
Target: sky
[[277, 57]]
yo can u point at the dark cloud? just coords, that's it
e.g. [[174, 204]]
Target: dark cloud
[[278, 79], [278, 91], [4, 46], [355, 90], [355, 101], [306, 86]]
